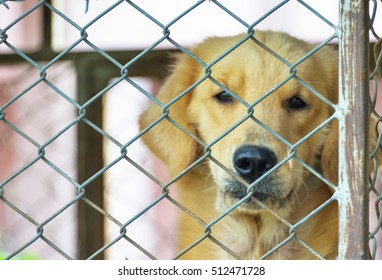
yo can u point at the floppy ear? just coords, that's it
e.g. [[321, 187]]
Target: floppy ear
[[328, 61], [329, 157], [169, 143]]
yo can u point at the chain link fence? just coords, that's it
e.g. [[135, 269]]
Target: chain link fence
[[55, 174], [375, 186]]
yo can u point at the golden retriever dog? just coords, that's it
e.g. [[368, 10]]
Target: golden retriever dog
[[235, 133]]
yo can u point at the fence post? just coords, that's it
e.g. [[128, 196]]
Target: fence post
[[90, 161], [353, 114]]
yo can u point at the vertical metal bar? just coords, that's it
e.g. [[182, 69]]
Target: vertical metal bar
[[353, 116], [90, 160]]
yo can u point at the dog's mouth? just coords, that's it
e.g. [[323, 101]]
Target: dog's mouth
[[267, 192]]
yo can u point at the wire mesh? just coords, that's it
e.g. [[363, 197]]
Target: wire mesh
[[41, 145]]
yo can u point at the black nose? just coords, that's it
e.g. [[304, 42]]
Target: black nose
[[251, 162]]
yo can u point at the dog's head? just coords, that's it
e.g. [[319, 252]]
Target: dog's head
[[256, 112]]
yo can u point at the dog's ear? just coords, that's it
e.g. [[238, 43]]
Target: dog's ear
[[329, 157], [328, 62], [169, 143]]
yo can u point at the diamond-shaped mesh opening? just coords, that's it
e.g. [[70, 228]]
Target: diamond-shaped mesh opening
[[14, 27]]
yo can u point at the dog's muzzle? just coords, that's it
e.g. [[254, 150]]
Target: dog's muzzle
[[251, 162]]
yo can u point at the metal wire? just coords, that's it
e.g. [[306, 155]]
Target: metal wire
[[375, 186], [40, 148]]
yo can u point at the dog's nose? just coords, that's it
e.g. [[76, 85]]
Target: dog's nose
[[251, 162]]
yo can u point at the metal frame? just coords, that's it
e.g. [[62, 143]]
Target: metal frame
[[353, 114]]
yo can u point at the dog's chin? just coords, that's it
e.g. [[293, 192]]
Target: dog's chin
[[266, 195], [249, 206]]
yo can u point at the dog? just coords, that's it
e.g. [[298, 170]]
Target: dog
[[230, 129]]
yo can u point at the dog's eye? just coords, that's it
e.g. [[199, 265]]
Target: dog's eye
[[296, 103], [224, 98]]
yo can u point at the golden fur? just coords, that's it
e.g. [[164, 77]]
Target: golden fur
[[291, 192]]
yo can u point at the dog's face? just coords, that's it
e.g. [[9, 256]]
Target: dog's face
[[263, 127], [252, 133]]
